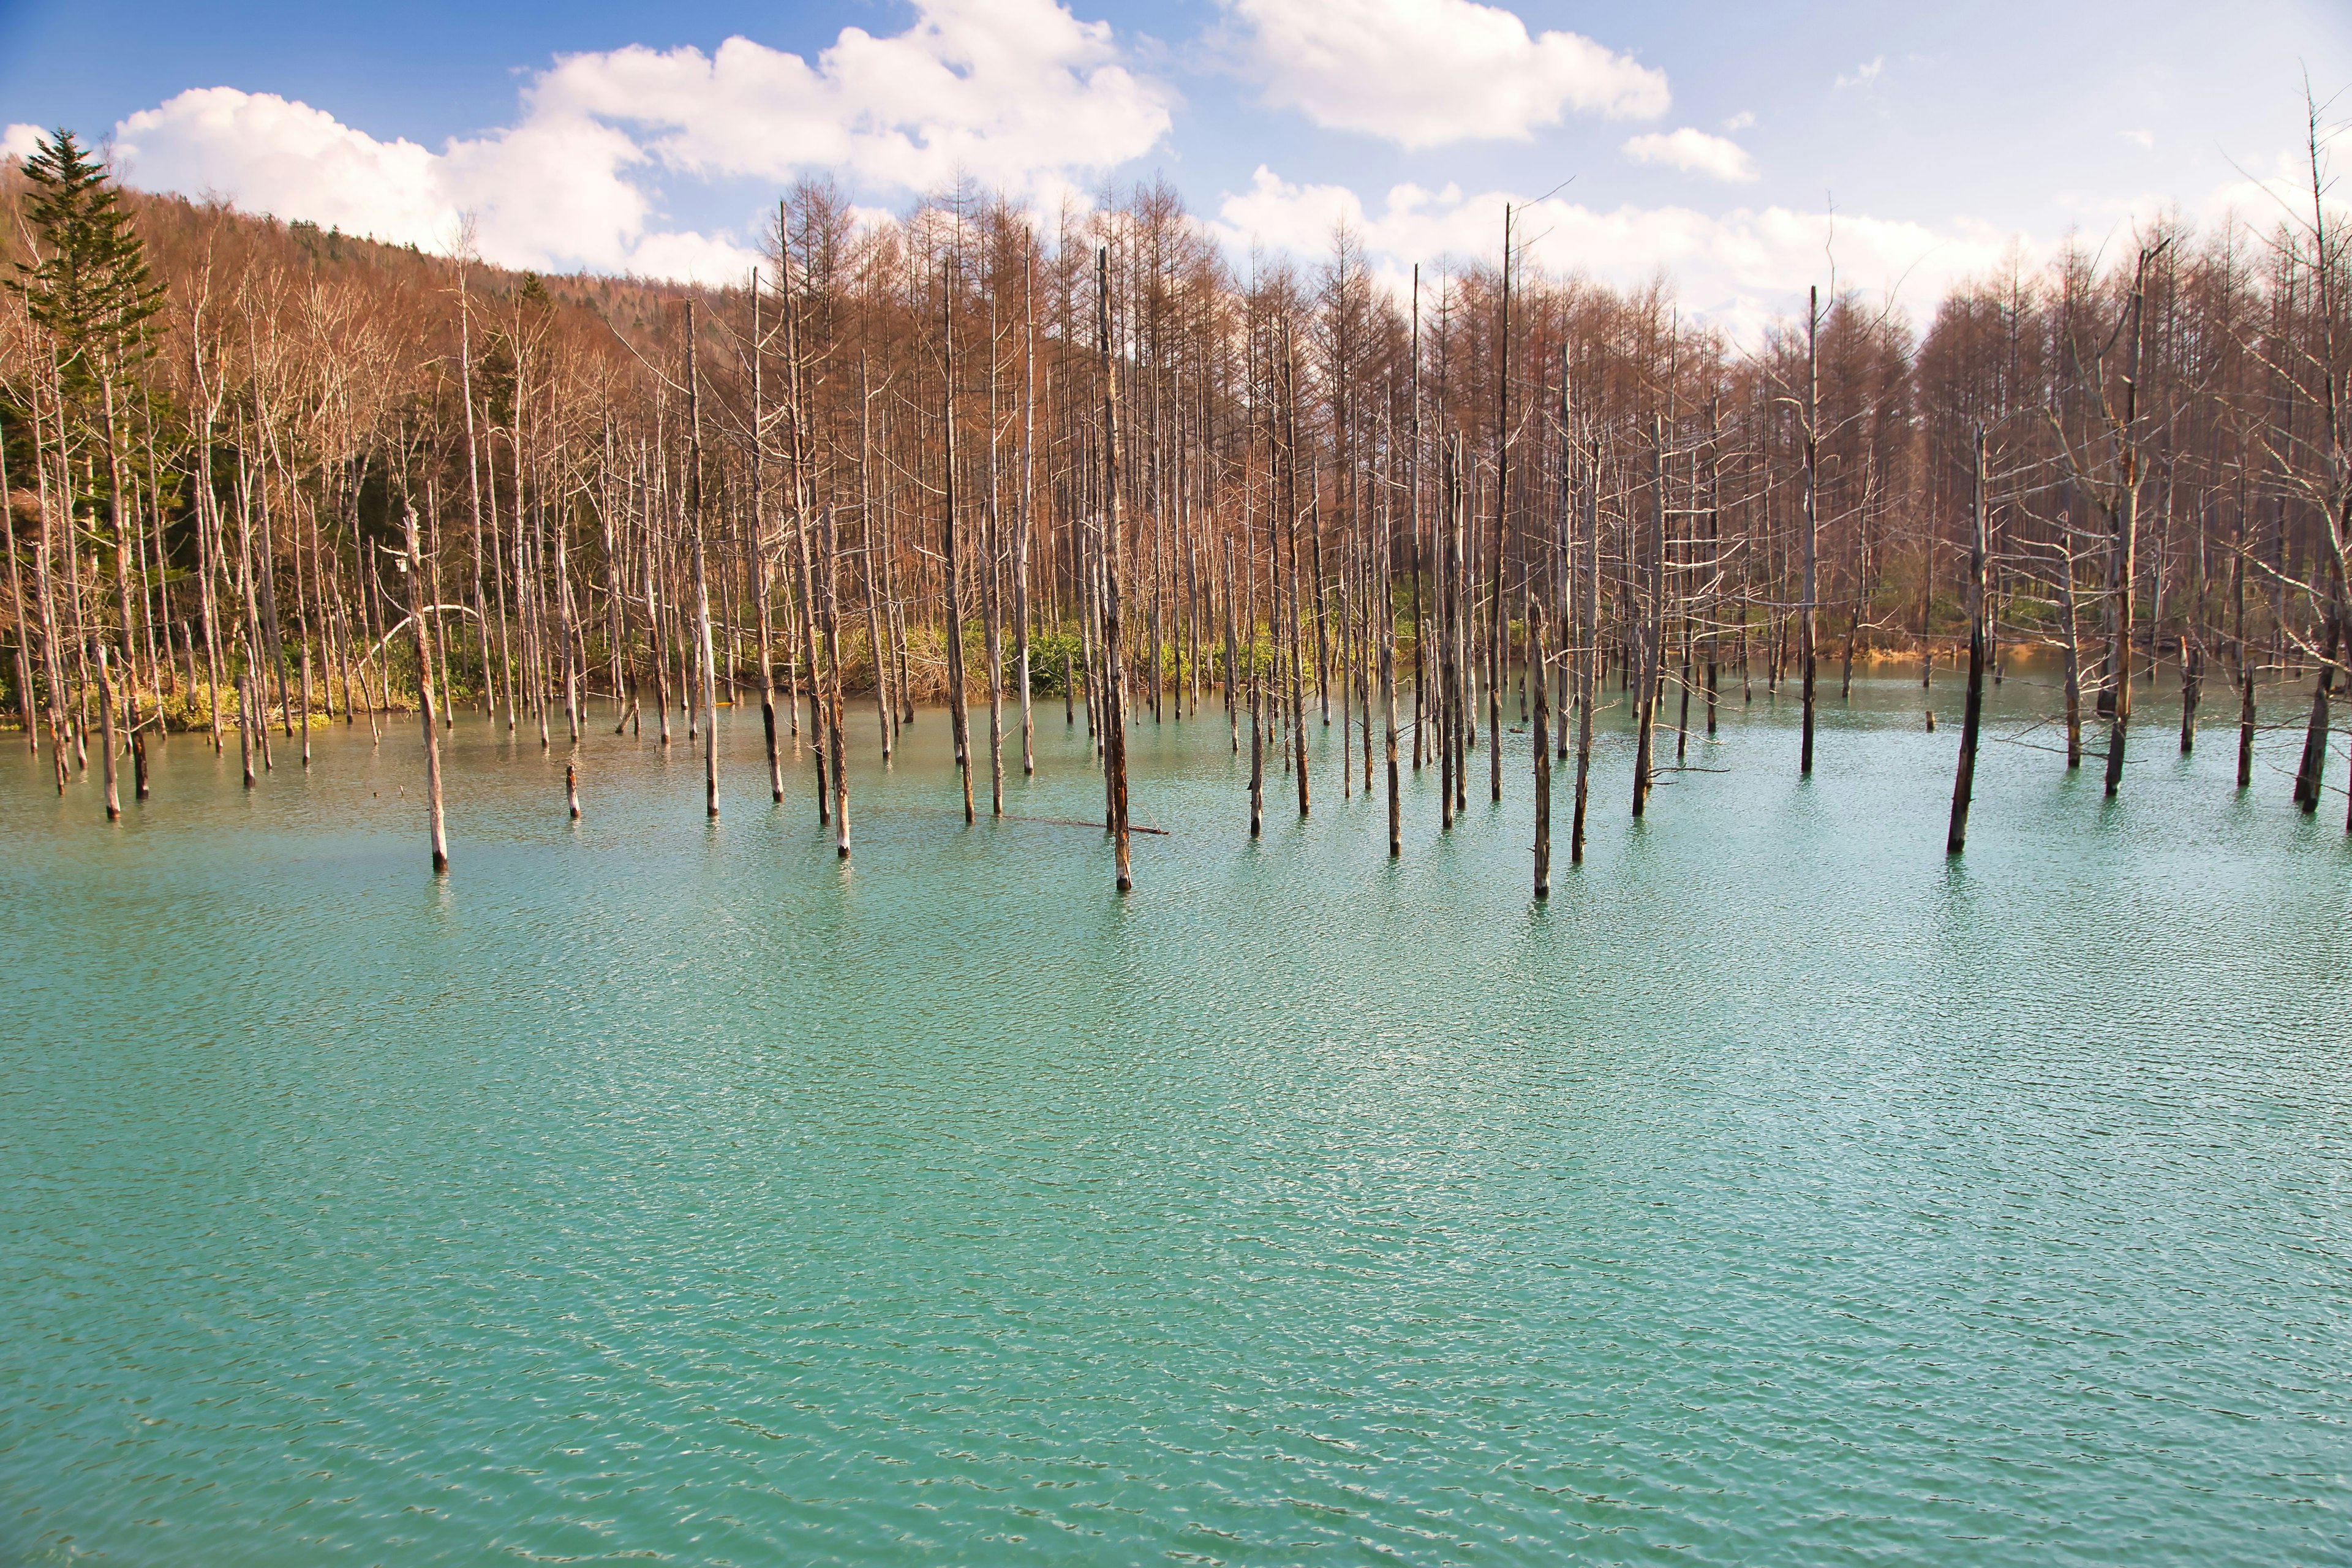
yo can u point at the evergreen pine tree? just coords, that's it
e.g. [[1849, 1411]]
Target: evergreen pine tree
[[88, 284]]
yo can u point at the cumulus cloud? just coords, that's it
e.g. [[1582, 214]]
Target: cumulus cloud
[[1423, 73], [20, 141], [1018, 94], [302, 162], [1693, 152], [1738, 269], [1007, 91]]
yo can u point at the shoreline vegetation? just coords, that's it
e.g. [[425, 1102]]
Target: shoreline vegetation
[[259, 478]]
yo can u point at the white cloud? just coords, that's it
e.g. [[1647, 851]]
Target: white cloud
[[1738, 269], [2144, 139], [20, 141], [1863, 74], [1426, 72], [302, 162], [1016, 93], [551, 193], [1741, 121], [1693, 152], [1007, 91]]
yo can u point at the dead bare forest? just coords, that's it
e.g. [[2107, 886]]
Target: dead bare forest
[[1091, 470]]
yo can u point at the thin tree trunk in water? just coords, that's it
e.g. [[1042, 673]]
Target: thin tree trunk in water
[[1645, 710], [244, 734], [2124, 565], [959, 720], [2245, 721], [438, 831], [1233, 692], [993, 600], [1115, 749], [572, 789], [1290, 505], [701, 576], [2072, 672], [1805, 649], [105, 737], [762, 577], [1388, 681], [1028, 510], [655, 645], [833, 737], [2311, 771], [1536, 659], [1498, 635], [2193, 682], [1445, 673], [877, 653], [804, 622], [1257, 710], [1588, 647], [1956, 837]]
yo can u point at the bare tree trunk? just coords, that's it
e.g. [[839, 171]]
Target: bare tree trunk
[[1587, 638], [244, 734], [1498, 634], [2245, 721], [833, 736], [1114, 718], [701, 574], [2311, 771], [1257, 712], [1233, 691], [870, 550], [763, 575], [1645, 701], [2192, 682], [1021, 528], [2074, 650], [1537, 660], [1387, 635], [959, 720], [438, 829], [1955, 836], [1805, 649], [992, 599], [106, 736]]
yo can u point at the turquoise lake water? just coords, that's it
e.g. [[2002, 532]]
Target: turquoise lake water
[[654, 1191]]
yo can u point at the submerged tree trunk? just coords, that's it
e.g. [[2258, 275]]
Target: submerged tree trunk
[[1115, 715], [2311, 771], [959, 720], [832, 737], [702, 574], [1805, 649], [1645, 700], [1588, 637], [1541, 697], [436, 828], [1955, 836], [105, 737]]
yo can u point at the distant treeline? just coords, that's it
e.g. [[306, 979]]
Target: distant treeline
[[880, 463]]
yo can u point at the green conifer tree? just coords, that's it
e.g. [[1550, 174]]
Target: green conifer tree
[[87, 283]]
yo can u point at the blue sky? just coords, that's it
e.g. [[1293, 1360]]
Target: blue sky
[[1708, 142]]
